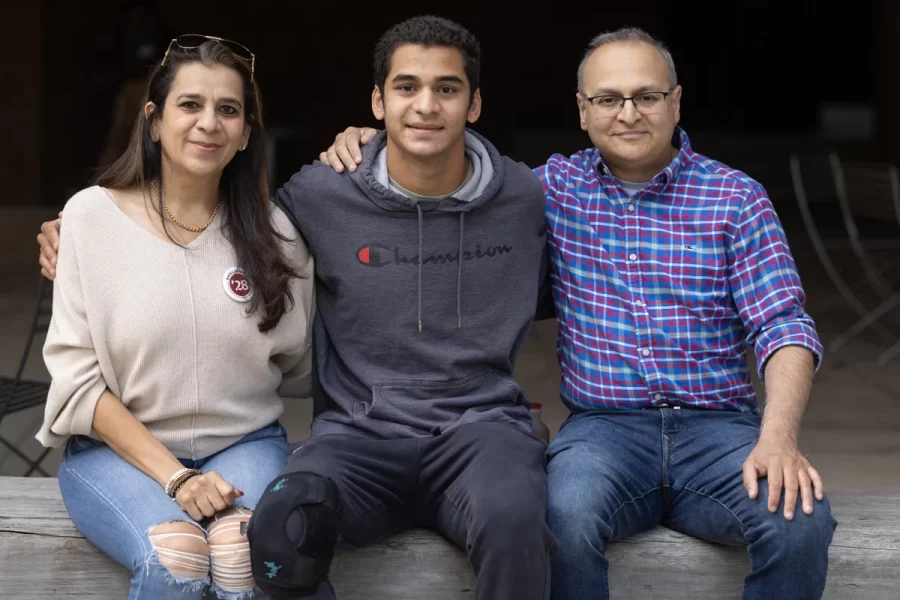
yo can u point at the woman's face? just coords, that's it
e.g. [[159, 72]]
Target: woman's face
[[203, 123]]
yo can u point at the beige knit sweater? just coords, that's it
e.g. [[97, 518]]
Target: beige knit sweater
[[154, 323]]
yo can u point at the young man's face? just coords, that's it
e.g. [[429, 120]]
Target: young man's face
[[426, 102]]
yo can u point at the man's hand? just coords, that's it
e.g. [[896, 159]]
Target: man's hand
[[48, 240], [344, 152], [779, 460]]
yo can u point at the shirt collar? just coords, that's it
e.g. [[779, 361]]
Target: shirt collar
[[597, 166]]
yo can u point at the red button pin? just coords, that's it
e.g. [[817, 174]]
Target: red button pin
[[236, 285]]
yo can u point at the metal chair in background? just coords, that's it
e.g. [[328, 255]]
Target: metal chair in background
[[860, 191], [848, 292], [863, 190], [870, 186], [18, 393]]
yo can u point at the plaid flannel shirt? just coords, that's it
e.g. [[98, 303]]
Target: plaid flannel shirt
[[657, 295]]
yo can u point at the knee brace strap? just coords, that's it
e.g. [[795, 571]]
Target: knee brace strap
[[293, 532]]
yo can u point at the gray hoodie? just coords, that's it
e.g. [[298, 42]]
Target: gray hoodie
[[409, 340]]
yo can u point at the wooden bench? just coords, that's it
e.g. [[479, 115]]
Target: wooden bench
[[43, 557]]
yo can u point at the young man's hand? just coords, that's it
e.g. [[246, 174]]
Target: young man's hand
[[344, 152], [48, 240]]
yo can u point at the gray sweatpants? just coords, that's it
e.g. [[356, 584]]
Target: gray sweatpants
[[482, 485]]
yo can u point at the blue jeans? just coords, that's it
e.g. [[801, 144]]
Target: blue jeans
[[614, 473], [115, 505]]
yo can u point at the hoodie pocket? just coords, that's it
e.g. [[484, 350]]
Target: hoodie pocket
[[433, 406]]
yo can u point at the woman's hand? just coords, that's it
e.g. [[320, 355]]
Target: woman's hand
[[204, 495]]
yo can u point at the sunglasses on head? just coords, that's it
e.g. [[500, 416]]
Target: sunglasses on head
[[195, 40]]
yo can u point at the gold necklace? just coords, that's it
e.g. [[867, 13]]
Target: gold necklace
[[155, 191]]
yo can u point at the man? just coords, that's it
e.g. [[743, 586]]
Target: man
[[426, 288], [665, 263]]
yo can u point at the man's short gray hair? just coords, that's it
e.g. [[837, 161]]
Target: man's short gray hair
[[627, 34]]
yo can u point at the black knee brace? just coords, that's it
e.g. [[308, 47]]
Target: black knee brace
[[292, 534]]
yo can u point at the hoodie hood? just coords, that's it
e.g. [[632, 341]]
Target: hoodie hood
[[372, 178]]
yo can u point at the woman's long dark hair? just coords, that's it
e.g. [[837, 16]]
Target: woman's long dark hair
[[244, 185]]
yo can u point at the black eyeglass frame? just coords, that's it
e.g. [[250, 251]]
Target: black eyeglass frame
[[623, 99]]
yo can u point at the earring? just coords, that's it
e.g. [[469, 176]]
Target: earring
[[154, 136]]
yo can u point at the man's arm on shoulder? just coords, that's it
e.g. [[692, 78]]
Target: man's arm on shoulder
[[345, 151], [771, 301], [290, 196]]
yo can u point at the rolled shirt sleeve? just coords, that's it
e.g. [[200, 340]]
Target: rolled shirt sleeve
[[766, 285]]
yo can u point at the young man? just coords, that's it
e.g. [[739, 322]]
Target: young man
[[427, 263], [665, 263]]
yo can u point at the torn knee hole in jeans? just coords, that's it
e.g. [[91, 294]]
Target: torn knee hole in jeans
[[182, 549], [230, 551]]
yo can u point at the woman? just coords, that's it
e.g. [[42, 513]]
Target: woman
[[181, 314]]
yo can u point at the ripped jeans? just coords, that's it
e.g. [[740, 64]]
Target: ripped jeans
[[130, 518]]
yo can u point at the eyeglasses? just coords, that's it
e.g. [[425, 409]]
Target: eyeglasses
[[195, 40], [645, 103]]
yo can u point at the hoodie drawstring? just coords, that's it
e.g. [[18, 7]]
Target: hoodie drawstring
[[459, 260], [421, 258], [462, 234]]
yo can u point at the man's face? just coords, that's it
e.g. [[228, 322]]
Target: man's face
[[426, 101], [633, 137]]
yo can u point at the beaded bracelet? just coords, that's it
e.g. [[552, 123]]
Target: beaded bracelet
[[173, 478], [177, 480], [181, 483]]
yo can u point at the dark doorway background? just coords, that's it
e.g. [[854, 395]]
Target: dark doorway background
[[751, 70]]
